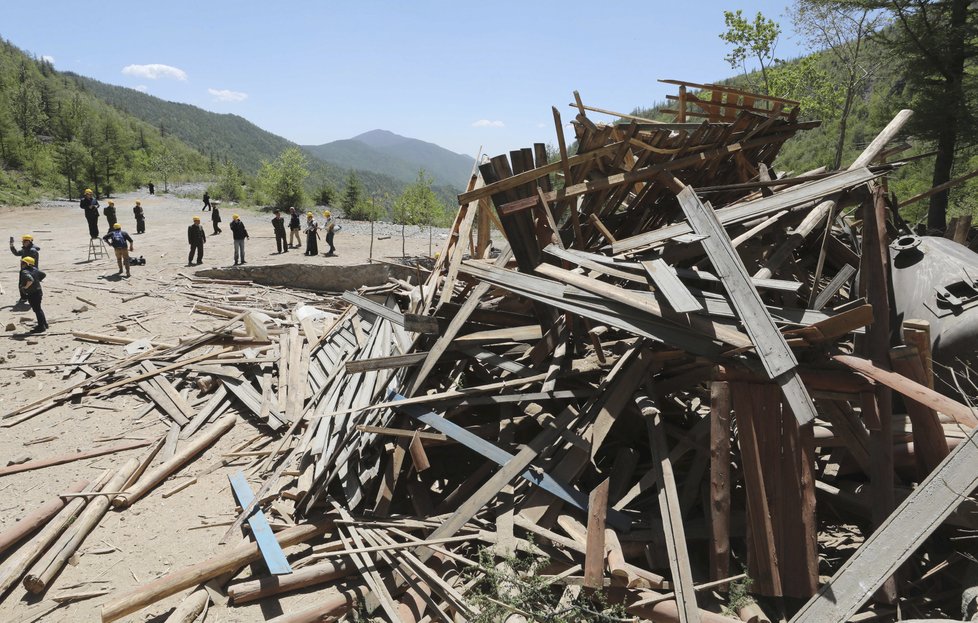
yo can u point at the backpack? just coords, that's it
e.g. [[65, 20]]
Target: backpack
[[118, 240]]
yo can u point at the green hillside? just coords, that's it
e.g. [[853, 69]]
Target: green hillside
[[220, 136], [57, 138]]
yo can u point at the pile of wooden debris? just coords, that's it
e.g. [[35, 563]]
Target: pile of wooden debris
[[678, 368]]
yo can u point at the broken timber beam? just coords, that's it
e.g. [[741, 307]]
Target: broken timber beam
[[778, 360]]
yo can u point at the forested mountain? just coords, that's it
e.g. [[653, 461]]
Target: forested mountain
[[400, 157], [56, 138], [219, 136]]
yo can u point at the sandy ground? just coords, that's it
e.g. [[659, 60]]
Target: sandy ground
[[156, 535]]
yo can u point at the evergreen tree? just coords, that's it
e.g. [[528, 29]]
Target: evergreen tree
[[936, 42]]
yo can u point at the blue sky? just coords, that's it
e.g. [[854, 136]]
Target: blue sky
[[459, 74]]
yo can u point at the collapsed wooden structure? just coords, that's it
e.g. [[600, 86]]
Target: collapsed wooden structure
[[663, 380]]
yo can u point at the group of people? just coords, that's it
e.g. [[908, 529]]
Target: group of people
[[196, 237], [30, 275]]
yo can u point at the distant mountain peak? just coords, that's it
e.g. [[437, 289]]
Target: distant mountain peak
[[381, 138]]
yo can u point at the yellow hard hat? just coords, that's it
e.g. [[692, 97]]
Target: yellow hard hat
[[137, 203], [234, 217], [28, 260], [88, 191], [27, 237], [196, 218], [112, 203], [309, 214], [117, 226], [327, 213]]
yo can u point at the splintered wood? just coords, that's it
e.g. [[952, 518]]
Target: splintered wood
[[634, 373]]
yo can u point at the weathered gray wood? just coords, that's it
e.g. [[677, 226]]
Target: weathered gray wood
[[841, 278], [675, 291], [792, 197], [776, 357], [411, 322], [672, 519], [897, 538]]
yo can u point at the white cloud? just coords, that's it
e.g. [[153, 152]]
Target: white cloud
[[48, 58], [142, 88], [226, 95], [154, 71], [485, 123]]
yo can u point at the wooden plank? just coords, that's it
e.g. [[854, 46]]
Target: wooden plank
[[720, 484], [910, 389], [411, 322], [677, 294], [841, 278], [496, 454], [672, 519], [68, 458], [776, 357], [171, 392], [763, 552], [929, 442], [594, 554], [892, 544], [385, 363], [271, 551], [792, 197]]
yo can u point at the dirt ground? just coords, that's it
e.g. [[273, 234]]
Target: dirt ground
[[156, 535]]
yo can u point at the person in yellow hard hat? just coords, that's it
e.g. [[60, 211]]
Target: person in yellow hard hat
[[330, 226], [312, 235], [89, 204], [239, 233], [30, 283], [110, 216], [137, 211], [121, 241], [27, 249], [196, 238]]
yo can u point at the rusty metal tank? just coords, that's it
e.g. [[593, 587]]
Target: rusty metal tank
[[936, 279]]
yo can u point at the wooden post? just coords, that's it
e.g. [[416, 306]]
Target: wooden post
[[594, 556], [16, 564], [719, 516], [56, 558], [876, 345], [37, 519], [231, 559], [245, 592], [181, 458], [930, 444], [763, 554]]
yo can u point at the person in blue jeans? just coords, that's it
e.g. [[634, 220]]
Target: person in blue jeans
[[239, 234]]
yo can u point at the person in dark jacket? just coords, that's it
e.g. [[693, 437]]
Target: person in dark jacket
[[294, 228], [27, 249], [278, 224], [216, 219], [90, 206], [239, 234], [30, 282], [110, 215], [207, 202], [137, 211], [312, 235], [152, 189], [121, 241], [329, 224], [196, 238]]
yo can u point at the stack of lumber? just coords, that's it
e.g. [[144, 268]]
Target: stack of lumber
[[664, 388]]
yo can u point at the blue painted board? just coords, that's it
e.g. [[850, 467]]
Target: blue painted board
[[270, 550], [496, 454]]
